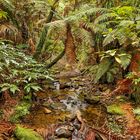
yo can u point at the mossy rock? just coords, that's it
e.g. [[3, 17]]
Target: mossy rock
[[26, 134], [115, 109], [92, 99]]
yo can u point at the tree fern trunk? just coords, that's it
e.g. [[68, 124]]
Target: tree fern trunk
[[56, 59], [41, 41], [117, 2], [70, 46], [45, 31]]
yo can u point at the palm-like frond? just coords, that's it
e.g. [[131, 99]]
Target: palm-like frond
[[105, 17], [103, 68], [76, 17]]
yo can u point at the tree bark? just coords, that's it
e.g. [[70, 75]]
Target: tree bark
[[56, 59], [45, 31]]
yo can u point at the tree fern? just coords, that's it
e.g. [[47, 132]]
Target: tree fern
[[105, 17]]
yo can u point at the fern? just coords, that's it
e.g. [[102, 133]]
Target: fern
[[74, 18], [110, 37], [124, 60], [105, 17], [112, 72], [19, 71], [102, 69]]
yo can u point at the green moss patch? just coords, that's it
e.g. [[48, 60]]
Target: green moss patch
[[115, 109], [26, 134]]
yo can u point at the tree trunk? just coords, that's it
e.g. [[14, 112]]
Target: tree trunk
[[56, 59], [45, 31], [70, 46]]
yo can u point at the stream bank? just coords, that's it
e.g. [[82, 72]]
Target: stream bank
[[79, 111]]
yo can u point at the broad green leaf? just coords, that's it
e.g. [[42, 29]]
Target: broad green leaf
[[110, 77], [102, 69]]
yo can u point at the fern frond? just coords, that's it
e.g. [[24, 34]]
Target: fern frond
[[109, 38], [126, 23], [8, 4], [76, 17], [105, 17], [124, 60], [102, 69], [86, 12], [84, 36]]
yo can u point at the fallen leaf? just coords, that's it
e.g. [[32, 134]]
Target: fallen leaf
[[47, 111]]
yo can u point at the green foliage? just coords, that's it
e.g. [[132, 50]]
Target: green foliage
[[32, 86], [11, 87], [26, 134], [110, 63], [3, 14], [19, 71], [136, 111], [120, 23], [102, 69], [20, 111], [135, 86], [106, 22], [119, 55]]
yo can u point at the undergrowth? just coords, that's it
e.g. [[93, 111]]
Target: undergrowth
[[20, 72]]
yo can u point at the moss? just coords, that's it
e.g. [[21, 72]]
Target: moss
[[20, 111], [26, 134], [92, 99], [115, 109]]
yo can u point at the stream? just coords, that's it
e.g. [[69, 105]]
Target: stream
[[58, 107]]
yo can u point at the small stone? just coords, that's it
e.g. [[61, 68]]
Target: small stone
[[92, 99], [132, 138], [63, 131], [76, 124]]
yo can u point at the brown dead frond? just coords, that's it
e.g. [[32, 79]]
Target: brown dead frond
[[9, 32]]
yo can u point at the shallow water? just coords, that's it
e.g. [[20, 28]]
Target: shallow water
[[63, 105]]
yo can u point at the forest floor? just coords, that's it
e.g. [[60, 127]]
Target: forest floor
[[79, 110]]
